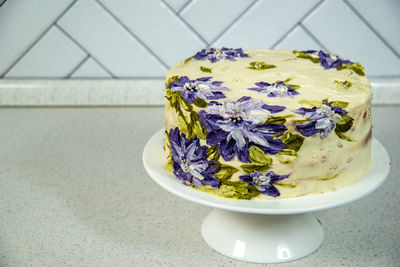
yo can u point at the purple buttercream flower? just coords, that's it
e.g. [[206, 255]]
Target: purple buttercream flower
[[202, 88], [264, 182], [279, 89], [328, 61], [323, 119], [190, 162], [236, 125], [215, 54]]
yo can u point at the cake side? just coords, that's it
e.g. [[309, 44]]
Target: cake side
[[269, 124]]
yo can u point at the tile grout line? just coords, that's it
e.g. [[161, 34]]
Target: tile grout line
[[297, 24], [84, 49], [151, 52], [2, 2], [183, 7], [37, 40], [314, 38], [234, 22], [85, 59], [184, 22], [380, 37]]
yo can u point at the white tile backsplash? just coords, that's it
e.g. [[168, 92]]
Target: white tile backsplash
[[53, 56], [21, 23], [205, 16], [298, 39], [383, 16], [346, 35], [264, 24], [110, 43], [136, 38], [90, 69], [158, 27], [177, 5]]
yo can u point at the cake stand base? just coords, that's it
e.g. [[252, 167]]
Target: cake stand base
[[262, 238]]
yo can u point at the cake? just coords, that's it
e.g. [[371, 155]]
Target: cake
[[267, 124]]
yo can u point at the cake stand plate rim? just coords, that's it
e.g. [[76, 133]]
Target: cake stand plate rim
[[154, 161]]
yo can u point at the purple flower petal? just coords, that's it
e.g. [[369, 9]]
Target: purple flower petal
[[273, 109], [215, 55], [264, 181], [190, 161]]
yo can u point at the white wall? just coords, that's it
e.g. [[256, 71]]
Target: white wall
[[136, 39]]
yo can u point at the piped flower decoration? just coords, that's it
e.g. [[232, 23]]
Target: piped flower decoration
[[324, 118], [277, 89], [330, 61], [264, 182], [235, 126], [190, 162], [202, 88], [215, 54]]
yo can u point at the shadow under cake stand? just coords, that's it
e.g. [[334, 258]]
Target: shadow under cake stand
[[265, 231]]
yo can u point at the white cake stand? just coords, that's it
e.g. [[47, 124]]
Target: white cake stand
[[265, 231]]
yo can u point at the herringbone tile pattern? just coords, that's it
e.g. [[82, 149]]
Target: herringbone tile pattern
[[136, 39]]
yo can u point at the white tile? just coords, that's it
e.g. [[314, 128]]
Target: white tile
[[158, 27], [298, 39], [265, 23], [54, 56], [22, 22], [209, 17], [177, 4], [90, 69], [349, 37], [108, 42], [384, 17]]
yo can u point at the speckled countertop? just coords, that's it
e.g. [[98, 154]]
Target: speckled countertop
[[73, 192]]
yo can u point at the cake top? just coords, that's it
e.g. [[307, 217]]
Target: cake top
[[278, 77]]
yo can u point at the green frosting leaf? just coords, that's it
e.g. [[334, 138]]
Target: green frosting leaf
[[170, 166], [342, 84], [356, 67], [225, 172], [343, 136], [285, 185], [293, 143], [187, 60], [199, 102], [213, 153], [195, 124], [286, 156], [260, 161], [340, 104], [310, 103], [258, 65], [328, 178], [294, 86], [232, 189], [184, 126], [302, 121], [277, 119], [306, 56], [204, 69], [344, 124]]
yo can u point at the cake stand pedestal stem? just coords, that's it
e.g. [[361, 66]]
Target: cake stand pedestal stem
[[262, 238]]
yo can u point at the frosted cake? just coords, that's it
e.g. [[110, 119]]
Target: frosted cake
[[267, 124]]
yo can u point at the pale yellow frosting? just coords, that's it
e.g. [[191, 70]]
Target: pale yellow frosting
[[322, 165]]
